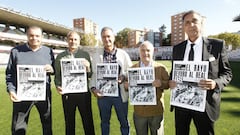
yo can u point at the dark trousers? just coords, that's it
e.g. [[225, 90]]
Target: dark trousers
[[21, 111], [82, 101], [201, 121]]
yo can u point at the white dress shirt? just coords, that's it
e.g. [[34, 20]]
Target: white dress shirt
[[197, 49]]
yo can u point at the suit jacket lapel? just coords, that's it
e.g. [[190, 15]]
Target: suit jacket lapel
[[206, 50], [181, 50]]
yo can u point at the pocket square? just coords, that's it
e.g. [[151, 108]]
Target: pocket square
[[212, 59]]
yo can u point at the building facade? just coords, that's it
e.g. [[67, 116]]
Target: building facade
[[135, 37], [177, 29], [85, 25]]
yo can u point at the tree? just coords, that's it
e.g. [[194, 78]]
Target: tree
[[229, 38], [100, 43], [162, 30], [88, 40], [121, 39], [166, 39]]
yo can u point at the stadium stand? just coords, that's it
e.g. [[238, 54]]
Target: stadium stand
[[2, 28], [13, 25], [234, 55]]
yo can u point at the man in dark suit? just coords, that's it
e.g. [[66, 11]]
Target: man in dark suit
[[219, 75]]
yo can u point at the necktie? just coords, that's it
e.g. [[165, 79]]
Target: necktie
[[191, 53]]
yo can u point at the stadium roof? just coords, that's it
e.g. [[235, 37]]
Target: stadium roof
[[14, 18], [237, 18]]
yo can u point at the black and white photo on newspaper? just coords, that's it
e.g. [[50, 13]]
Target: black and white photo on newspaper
[[141, 90], [107, 78], [74, 75], [187, 94], [31, 82]]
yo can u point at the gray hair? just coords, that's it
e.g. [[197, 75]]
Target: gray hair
[[34, 27], [146, 43], [106, 28], [190, 12], [72, 32]]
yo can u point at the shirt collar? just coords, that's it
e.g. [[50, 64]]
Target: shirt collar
[[113, 51], [196, 42], [32, 49], [73, 51], [149, 65]]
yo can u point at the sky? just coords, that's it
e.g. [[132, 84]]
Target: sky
[[134, 14]]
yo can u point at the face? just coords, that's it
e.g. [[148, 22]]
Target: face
[[193, 26], [34, 36], [73, 41], [108, 39], [146, 53]]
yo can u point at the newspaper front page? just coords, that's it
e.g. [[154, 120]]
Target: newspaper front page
[[74, 76], [141, 91], [187, 94], [107, 79], [31, 83]]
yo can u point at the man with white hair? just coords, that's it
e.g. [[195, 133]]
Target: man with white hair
[[151, 116]]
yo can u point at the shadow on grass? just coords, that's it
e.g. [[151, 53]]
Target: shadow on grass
[[225, 91], [236, 73], [231, 99], [235, 113]]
